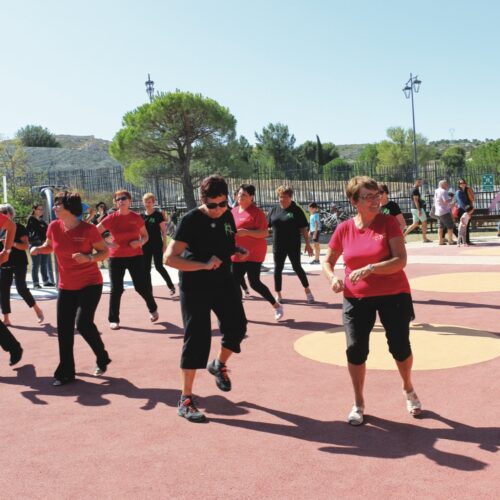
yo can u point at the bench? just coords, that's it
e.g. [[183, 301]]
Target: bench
[[482, 216]]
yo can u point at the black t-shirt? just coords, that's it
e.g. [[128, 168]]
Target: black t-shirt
[[17, 257], [416, 192], [206, 237], [392, 208], [286, 224], [37, 231], [152, 223]]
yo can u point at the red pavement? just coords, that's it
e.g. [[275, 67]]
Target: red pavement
[[280, 433]]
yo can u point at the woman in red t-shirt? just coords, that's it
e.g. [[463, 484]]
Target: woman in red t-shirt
[[128, 234], [78, 246], [372, 246], [252, 231], [7, 341]]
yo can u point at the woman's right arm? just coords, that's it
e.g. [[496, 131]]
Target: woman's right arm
[[173, 259], [329, 266], [44, 249]]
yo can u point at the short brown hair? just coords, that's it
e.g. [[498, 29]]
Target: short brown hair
[[382, 186], [122, 192], [284, 190], [71, 201], [355, 185], [212, 187]]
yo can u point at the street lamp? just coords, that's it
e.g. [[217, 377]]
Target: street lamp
[[150, 88], [413, 86]]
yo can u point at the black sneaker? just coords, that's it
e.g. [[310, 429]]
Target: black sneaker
[[37, 286], [219, 371], [101, 368], [15, 356], [186, 408], [49, 283]]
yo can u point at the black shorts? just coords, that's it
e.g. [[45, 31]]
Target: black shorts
[[312, 238], [395, 313], [196, 306]]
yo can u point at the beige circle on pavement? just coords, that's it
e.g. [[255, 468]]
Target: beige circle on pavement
[[458, 282], [483, 251], [434, 347]]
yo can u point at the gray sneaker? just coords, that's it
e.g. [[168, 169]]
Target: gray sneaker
[[219, 371], [186, 408]]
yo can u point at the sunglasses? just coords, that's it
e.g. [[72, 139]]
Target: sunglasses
[[121, 198], [212, 206]]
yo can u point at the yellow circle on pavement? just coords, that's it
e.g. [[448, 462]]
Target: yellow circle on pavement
[[434, 347], [483, 251], [472, 282]]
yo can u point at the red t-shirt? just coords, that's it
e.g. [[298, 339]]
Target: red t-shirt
[[72, 275], [124, 229], [361, 247], [251, 218]]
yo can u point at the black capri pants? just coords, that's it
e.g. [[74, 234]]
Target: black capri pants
[[293, 253], [196, 305], [395, 313], [6, 278], [252, 269]]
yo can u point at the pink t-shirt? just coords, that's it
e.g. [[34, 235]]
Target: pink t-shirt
[[124, 229], [251, 218], [361, 247], [81, 239]]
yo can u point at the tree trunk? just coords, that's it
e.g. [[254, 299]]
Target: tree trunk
[[187, 186]]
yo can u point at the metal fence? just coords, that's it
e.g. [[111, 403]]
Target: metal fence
[[308, 183]]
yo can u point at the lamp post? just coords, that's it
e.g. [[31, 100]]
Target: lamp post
[[150, 88], [413, 86]]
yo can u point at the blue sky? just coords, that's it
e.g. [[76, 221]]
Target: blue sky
[[332, 68]]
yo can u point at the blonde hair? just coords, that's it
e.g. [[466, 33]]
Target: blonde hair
[[284, 190], [149, 196], [355, 185]]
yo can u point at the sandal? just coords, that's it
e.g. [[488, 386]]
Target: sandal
[[413, 404]]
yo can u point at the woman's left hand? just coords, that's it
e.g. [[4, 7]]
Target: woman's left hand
[[81, 258], [359, 274], [136, 243]]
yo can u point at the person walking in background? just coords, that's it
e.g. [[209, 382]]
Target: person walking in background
[[464, 198], [389, 207], [78, 247], [101, 210], [442, 204], [16, 265], [314, 231], [8, 342], [37, 232], [201, 250], [128, 235], [153, 250], [372, 245], [289, 223], [251, 233], [418, 212]]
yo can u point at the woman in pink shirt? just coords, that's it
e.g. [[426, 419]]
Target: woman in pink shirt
[[78, 247], [372, 246]]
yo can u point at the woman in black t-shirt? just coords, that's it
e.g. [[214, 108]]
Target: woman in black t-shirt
[[16, 265], [156, 226], [390, 207], [201, 250], [288, 222]]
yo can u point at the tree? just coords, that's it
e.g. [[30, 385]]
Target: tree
[[277, 141], [486, 155], [167, 136], [369, 155], [454, 159], [337, 169], [396, 153], [36, 136], [321, 154]]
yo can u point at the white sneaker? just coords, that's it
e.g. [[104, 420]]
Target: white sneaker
[[247, 294], [154, 316], [310, 298], [278, 299], [413, 404], [114, 326], [355, 417], [278, 312]]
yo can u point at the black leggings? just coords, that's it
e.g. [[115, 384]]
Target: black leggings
[[78, 307], [7, 341], [117, 268], [280, 256], [6, 277], [252, 269], [155, 253]]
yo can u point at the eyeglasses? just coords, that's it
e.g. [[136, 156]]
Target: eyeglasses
[[121, 198], [460, 183], [212, 206], [370, 197]]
